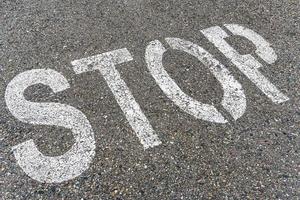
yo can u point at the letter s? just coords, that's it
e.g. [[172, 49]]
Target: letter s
[[36, 165]]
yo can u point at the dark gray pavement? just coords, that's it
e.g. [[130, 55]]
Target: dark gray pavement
[[254, 157]]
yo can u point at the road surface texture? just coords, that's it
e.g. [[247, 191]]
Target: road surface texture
[[253, 157]]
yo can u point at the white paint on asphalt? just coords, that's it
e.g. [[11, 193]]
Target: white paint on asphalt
[[105, 63], [263, 48], [234, 100], [77, 159], [36, 165], [247, 63]]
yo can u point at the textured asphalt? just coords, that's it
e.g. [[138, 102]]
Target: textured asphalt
[[255, 157]]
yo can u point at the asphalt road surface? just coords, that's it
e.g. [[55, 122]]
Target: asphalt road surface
[[139, 99]]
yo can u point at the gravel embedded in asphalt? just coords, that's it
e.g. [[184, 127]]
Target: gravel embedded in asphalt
[[254, 157]]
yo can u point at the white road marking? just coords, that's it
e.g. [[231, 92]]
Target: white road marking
[[105, 63], [263, 48], [45, 168], [247, 63], [234, 100], [75, 161]]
